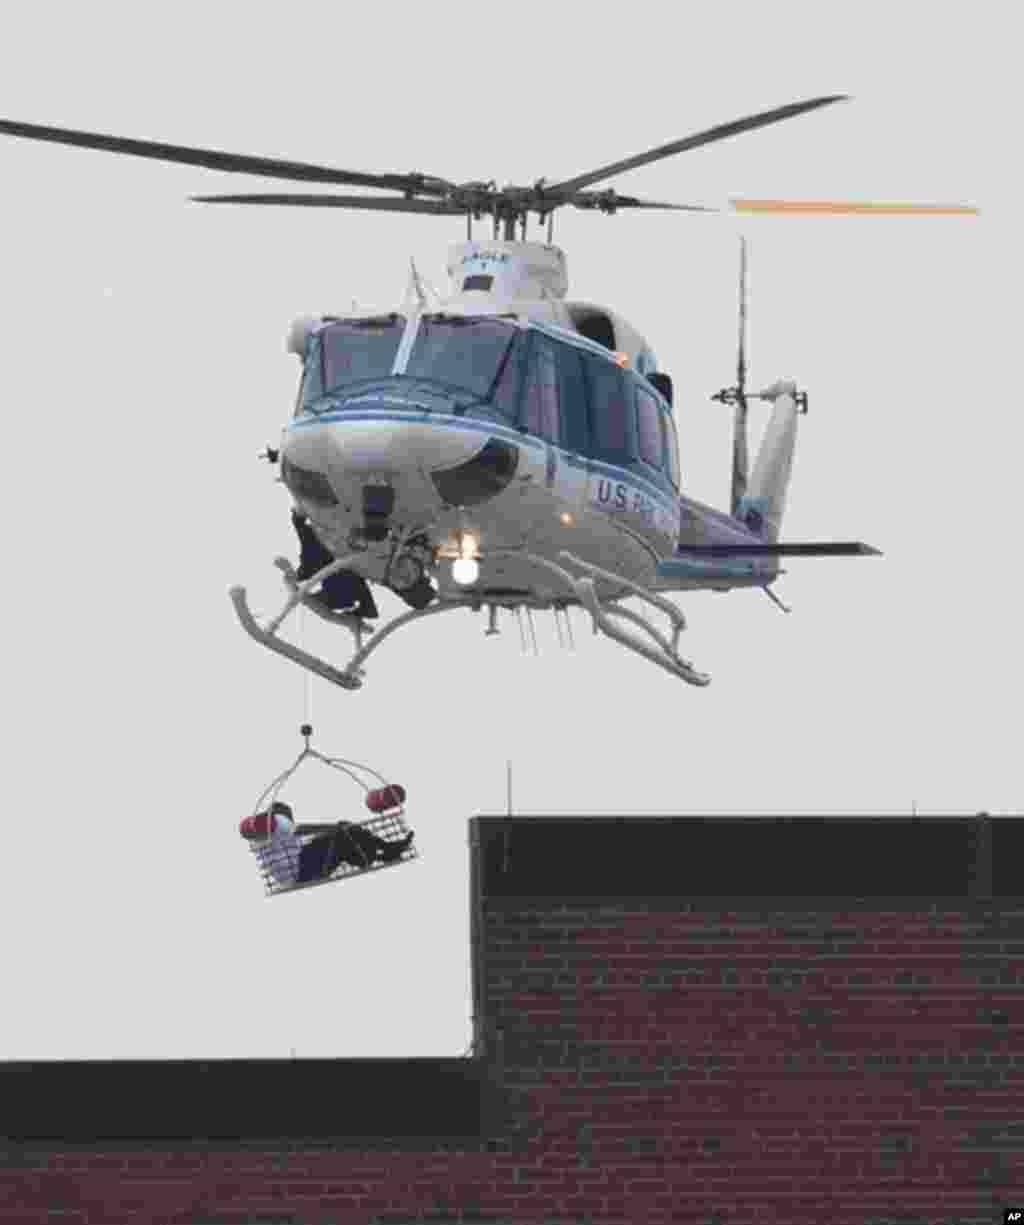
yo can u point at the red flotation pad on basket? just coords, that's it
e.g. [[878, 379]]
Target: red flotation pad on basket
[[382, 799], [259, 825]]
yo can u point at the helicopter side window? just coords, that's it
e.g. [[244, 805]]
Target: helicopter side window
[[609, 411], [505, 396], [540, 402], [648, 422], [646, 361], [312, 387], [358, 349], [672, 446], [573, 399]]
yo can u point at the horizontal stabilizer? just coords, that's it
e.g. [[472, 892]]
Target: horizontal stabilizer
[[828, 548]]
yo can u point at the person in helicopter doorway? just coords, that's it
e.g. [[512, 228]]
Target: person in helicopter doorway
[[289, 861], [343, 591]]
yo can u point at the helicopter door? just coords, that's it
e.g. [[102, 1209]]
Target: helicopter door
[[542, 416], [610, 412], [572, 394], [573, 473], [540, 411], [611, 451]]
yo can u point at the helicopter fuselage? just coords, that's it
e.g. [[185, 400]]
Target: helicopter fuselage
[[553, 457]]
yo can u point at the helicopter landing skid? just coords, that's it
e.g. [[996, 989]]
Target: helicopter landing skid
[[350, 677], [663, 652], [300, 593]]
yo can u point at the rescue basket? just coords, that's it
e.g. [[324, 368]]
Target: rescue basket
[[289, 860]]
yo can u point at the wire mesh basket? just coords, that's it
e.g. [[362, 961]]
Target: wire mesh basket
[[290, 858]]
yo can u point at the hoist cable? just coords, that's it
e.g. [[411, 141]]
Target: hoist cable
[[307, 679]]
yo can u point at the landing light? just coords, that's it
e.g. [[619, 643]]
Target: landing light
[[465, 570], [565, 518]]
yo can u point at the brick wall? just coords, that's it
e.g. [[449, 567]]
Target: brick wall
[[783, 1065], [833, 1052]]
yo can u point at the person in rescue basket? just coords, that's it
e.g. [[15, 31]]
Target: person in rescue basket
[[289, 861]]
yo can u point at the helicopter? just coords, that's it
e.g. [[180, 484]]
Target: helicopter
[[504, 446]]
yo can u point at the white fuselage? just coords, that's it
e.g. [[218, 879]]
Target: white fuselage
[[556, 501], [624, 518]]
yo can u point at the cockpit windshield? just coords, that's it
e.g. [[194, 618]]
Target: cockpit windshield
[[462, 360], [354, 350], [461, 353]]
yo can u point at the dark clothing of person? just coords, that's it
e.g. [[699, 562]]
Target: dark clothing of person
[[342, 590], [419, 595], [346, 843]]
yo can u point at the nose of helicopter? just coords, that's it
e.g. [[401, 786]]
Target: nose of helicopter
[[378, 444], [389, 445]]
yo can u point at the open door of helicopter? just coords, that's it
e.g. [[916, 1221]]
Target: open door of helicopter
[[292, 856]]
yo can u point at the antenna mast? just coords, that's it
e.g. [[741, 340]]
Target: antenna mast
[[740, 462]]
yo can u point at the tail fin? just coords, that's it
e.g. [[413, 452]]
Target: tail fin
[[762, 506], [759, 501], [737, 397]]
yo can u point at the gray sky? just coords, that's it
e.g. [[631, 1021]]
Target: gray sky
[[144, 369]]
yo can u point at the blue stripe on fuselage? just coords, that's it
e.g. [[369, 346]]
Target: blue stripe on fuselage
[[674, 567], [668, 502]]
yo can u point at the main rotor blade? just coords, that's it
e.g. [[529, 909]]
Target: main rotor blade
[[828, 548], [850, 206], [610, 201], [211, 159], [387, 204], [720, 132]]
